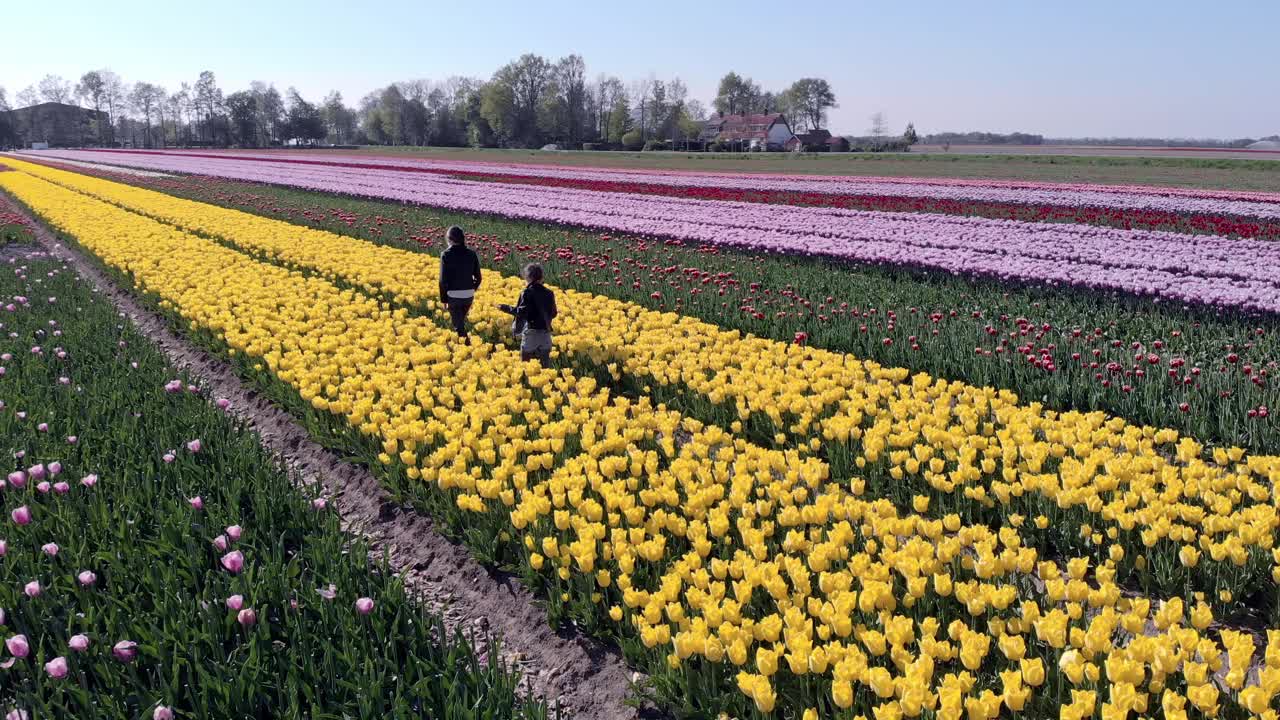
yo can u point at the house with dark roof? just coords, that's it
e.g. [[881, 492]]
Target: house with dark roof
[[818, 141], [766, 131]]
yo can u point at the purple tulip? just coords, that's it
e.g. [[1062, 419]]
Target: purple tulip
[[194, 446], [61, 487], [233, 561], [319, 503], [43, 487], [57, 668], [36, 472], [21, 515], [220, 542], [54, 468], [364, 605], [32, 589], [162, 712], [235, 602], [78, 643], [17, 478], [50, 549], [233, 532], [247, 617], [87, 578], [89, 480], [222, 403], [125, 651], [196, 503], [18, 646]]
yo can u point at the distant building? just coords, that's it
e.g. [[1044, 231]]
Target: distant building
[[818, 141], [748, 132], [58, 124]]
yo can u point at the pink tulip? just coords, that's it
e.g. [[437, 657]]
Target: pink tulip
[[125, 651], [196, 503], [194, 446], [234, 531], [21, 515], [4, 548], [78, 643], [2, 616], [43, 427], [44, 487], [328, 593], [364, 605], [36, 472], [87, 578], [319, 503], [162, 712], [220, 542], [222, 403], [54, 468], [18, 646], [247, 617], [235, 602], [18, 479], [72, 439], [32, 589], [173, 386], [17, 714], [89, 480], [233, 561], [50, 549], [168, 457], [61, 488], [57, 668]]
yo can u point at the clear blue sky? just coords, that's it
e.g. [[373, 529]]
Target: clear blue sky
[[1171, 68]]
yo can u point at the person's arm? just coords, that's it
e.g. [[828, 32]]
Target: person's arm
[[475, 271], [444, 289], [522, 306], [552, 312]]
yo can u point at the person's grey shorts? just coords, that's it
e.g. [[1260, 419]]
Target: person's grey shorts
[[535, 341]]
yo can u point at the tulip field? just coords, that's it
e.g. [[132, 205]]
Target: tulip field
[[155, 563], [799, 458]]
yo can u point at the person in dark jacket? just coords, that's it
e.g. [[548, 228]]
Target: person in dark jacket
[[534, 312], [459, 279]]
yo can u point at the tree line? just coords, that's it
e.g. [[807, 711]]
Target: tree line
[[529, 102]]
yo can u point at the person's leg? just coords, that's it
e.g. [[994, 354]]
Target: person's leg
[[458, 310]]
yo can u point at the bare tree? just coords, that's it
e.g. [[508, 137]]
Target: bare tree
[[92, 89], [641, 90], [28, 96], [879, 125], [53, 88], [145, 99]]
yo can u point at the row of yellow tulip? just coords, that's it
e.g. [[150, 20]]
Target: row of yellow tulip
[[715, 551], [978, 451]]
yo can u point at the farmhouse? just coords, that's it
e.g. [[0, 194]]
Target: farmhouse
[[58, 124], [818, 141], [748, 132]]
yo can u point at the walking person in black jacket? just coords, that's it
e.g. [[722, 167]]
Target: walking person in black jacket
[[534, 312], [459, 279]]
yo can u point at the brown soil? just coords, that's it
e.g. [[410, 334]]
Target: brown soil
[[587, 678]]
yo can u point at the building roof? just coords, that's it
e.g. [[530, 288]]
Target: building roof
[[814, 137], [747, 127]]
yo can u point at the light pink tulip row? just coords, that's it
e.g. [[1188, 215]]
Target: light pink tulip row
[[1221, 272], [1248, 204]]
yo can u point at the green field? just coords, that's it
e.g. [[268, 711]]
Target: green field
[[1184, 172]]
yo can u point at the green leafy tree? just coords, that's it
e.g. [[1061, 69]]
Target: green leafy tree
[[619, 118], [909, 135], [632, 140], [736, 95], [807, 102]]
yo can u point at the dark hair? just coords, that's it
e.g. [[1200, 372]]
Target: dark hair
[[455, 235], [532, 272]]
